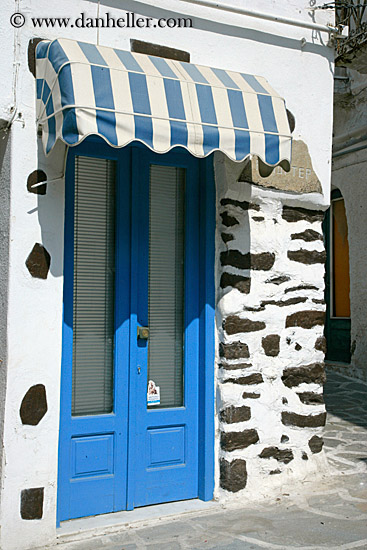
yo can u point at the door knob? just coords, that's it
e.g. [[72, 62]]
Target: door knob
[[143, 333]]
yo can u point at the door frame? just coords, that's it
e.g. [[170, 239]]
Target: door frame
[[336, 328], [97, 147]]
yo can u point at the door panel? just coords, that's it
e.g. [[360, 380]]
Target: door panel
[[93, 438], [172, 472]]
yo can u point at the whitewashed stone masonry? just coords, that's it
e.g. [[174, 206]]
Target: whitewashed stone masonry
[[270, 320]]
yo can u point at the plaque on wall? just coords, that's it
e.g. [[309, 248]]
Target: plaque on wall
[[301, 178]]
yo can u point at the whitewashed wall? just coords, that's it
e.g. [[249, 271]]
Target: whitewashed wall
[[304, 75], [270, 332]]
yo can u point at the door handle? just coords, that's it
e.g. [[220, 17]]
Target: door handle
[[143, 333]]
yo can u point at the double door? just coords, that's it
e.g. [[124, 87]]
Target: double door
[[134, 314]]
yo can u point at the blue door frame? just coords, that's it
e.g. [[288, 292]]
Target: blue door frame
[[111, 439]]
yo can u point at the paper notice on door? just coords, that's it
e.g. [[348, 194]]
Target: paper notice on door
[[153, 396]]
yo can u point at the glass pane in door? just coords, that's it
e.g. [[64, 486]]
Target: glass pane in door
[[166, 283], [93, 293]]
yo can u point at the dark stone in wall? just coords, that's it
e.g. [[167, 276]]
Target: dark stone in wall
[[249, 308], [232, 414], [300, 287], [255, 378], [235, 350], [233, 475], [241, 204], [32, 44], [320, 344], [34, 405], [243, 284], [307, 257], [283, 303], [234, 325], [316, 301], [226, 237], [227, 220], [270, 345], [38, 262], [230, 441], [279, 280], [250, 395], [316, 444], [308, 235], [295, 214], [36, 177], [282, 455], [234, 366], [273, 472], [305, 319], [148, 48], [259, 262], [302, 421], [304, 456], [310, 374], [311, 398], [258, 218], [284, 439], [297, 347], [291, 120], [31, 503], [284, 401]]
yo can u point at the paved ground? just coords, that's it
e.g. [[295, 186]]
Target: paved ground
[[332, 516]]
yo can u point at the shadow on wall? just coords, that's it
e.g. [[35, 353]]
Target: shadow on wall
[[221, 28], [5, 179], [51, 205]]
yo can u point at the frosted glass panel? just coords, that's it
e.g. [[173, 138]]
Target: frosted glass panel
[[93, 299], [166, 282]]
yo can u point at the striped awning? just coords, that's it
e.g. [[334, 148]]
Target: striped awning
[[84, 89]]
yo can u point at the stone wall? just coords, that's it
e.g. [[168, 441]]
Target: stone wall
[[270, 328]]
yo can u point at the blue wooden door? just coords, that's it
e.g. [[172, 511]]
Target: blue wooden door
[[163, 447], [122, 445], [96, 327]]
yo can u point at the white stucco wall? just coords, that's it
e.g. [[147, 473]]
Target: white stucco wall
[[303, 74]]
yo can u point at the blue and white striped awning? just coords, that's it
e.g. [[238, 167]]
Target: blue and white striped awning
[[84, 89]]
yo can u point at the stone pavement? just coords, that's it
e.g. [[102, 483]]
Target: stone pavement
[[331, 515]]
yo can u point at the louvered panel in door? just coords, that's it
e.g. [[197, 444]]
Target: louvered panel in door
[[166, 282], [93, 289]]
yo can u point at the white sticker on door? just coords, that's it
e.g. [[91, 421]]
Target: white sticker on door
[[153, 396]]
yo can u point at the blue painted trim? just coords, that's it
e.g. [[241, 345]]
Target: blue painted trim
[[207, 330], [67, 338], [138, 170]]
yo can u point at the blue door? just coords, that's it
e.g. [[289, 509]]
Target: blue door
[[165, 296], [138, 330]]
